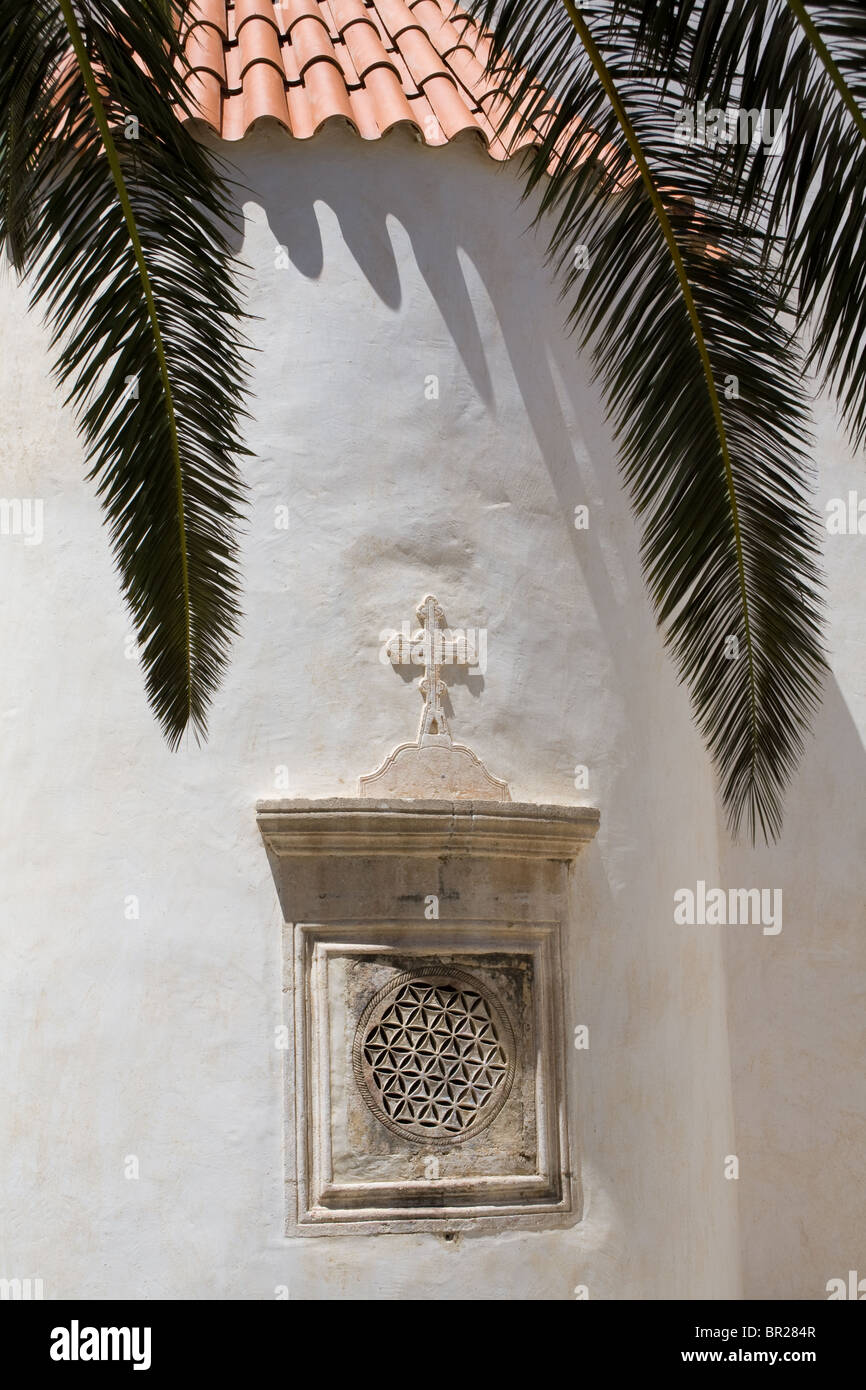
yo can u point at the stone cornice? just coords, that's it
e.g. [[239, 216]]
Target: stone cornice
[[357, 826]]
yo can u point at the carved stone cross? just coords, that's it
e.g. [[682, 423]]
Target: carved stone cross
[[433, 649], [434, 766]]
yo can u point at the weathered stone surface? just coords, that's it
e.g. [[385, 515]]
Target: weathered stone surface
[[427, 827], [423, 950], [352, 1166], [433, 766], [432, 769]]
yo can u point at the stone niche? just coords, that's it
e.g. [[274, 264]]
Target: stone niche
[[425, 1083]]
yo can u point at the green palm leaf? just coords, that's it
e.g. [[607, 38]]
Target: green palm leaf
[[673, 305], [124, 244], [807, 61]]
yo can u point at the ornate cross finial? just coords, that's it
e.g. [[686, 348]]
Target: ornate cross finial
[[434, 765], [433, 647]]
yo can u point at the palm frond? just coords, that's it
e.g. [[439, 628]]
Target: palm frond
[[719, 478], [117, 217], [807, 61]]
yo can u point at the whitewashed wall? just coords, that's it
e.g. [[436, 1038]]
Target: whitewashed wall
[[796, 1012], [154, 1036]]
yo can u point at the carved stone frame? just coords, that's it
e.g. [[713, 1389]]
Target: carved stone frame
[[353, 876]]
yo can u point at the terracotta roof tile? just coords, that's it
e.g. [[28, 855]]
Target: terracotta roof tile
[[427, 121], [464, 64], [233, 67], [259, 42], [206, 97], [396, 16], [205, 50], [254, 9], [263, 92], [364, 113], [449, 108], [421, 57], [374, 63], [209, 12], [326, 89], [310, 41], [365, 48], [390, 104], [349, 12]]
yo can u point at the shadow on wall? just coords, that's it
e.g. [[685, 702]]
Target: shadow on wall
[[792, 999], [546, 366], [442, 227], [796, 1027], [628, 890]]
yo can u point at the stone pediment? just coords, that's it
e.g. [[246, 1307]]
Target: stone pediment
[[434, 768]]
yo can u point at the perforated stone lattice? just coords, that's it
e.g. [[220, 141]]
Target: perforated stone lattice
[[434, 1056]]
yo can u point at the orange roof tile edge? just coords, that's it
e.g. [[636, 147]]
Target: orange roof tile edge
[[372, 64]]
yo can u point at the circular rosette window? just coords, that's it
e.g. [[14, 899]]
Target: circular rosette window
[[434, 1055]]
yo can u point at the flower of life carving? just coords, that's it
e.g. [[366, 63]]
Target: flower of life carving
[[434, 1056]]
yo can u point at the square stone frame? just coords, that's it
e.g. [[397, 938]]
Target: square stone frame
[[365, 1206], [353, 876]]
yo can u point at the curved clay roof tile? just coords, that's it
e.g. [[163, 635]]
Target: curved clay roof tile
[[365, 48], [205, 50], [258, 42], [374, 63]]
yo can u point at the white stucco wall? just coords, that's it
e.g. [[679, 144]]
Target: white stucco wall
[[796, 1015], [155, 1037]]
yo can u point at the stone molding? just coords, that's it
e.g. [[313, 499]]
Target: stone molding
[[361, 826], [354, 877]]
